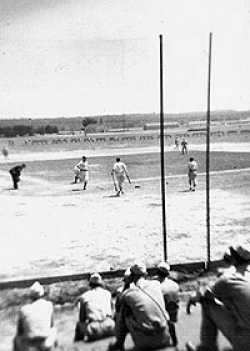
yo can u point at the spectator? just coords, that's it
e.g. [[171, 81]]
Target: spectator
[[95, 312], [15, 173], [142, 314], [35, 327], [126, 285], [226, 306], [170, 291]]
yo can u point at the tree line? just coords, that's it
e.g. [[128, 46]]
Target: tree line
[[24, 130]]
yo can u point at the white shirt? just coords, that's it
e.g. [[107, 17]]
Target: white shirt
[[119, 169], [83, 165], [97, 303], [192, 166], [36, 318]]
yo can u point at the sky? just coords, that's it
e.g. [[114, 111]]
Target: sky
[[95, 57]]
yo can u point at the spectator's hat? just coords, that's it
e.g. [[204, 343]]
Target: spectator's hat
[[164, 267], [138, 269], [240, 253], [227, 257], [96, 280], [127, 273], [37, 290]]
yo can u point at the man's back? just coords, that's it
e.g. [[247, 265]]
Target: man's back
[[170, 290], [145, 304], [97, 304], [234, 291], [16, 171], [36, 318]]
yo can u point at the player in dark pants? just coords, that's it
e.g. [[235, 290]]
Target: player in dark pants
[[184, 144], [15, 173]]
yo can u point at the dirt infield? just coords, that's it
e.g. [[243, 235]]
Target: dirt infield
[[53, 227]]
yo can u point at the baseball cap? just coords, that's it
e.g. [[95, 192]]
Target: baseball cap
[[138, 269], [96, 280], [240, 253], [37, 289], [163, 267]]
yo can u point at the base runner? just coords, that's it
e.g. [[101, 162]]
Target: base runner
[[119, 173], [81, 171], [192, 173]]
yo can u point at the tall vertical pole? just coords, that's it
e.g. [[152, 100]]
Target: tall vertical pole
[[163, 192], [208, 154]]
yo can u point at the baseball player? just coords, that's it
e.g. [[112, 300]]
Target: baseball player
[[81, 171], [15, 173], [184, 144], [177, 143], [192, 173], [5, 152], [119, 173]]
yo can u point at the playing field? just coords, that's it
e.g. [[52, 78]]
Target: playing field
[[51, 226]]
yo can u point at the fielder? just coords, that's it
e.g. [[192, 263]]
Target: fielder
[[81, 171], [192, 173], [15, 173], [184, 144], [177, 143], [119, 173], [5, 152]]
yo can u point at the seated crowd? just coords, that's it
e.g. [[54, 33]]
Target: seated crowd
[[147, 309]]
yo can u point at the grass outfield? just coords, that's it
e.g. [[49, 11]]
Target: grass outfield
[[139, 166]]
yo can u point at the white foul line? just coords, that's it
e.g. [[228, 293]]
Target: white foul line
[[227, 171]]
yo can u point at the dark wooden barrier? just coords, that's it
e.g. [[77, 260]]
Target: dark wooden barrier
[[184, 268]]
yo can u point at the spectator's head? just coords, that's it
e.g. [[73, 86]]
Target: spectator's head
[[118, 159], [84, 158], [95, 280], [36, 291], [227, 257], [238, 255], [127, 276], [137, 271], [191, 159], [163, 270], [23, 165]]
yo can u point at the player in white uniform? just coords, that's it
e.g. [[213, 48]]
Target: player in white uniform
[[119, 173], [192, 173], [177, 143], [81, 171]]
